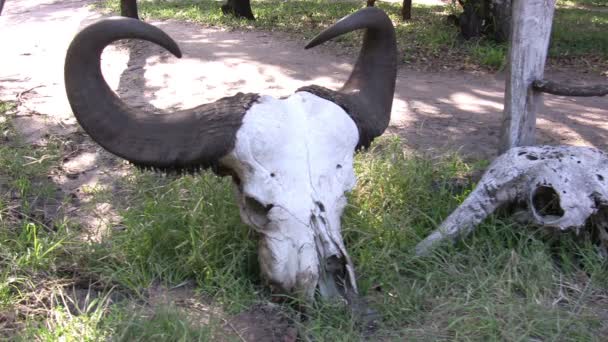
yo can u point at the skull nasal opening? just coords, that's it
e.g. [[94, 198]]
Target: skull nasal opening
[[546, 203], [257, 206]]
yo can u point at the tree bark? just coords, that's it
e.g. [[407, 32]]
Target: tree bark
[[1, 6], [491, 18], [371, 3], [532, 21], [406, 10], [500, 11], [128, 8], [472, 19], [556, 88], [238, 8]]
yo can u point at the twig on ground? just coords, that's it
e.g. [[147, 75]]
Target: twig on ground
[[20, 95]]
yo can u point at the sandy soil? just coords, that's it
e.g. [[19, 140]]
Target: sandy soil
[[432, 111]]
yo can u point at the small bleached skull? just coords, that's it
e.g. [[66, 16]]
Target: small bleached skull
[[291, 159], [561, 187]]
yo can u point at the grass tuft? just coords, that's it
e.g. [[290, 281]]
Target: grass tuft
[[163, 324], [179, 229]]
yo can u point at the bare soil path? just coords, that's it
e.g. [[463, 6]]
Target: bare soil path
[[432, 111]]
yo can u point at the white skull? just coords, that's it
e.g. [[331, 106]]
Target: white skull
[[290, 158], [293, 164], [562, 187]]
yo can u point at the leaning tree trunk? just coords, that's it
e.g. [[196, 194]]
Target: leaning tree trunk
[[406, 10], [238, 8], [1, 5], [128, 8], [491, 18]]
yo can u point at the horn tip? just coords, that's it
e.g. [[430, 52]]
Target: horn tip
[[177, 52], [171, 46], [314, 42]]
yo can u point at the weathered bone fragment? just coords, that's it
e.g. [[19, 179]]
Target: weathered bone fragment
[[291, 159], [562, 187]]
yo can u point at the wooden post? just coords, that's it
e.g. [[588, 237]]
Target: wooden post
[[530, 32]]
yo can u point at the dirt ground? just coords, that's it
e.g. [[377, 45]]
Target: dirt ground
[[432, 112]]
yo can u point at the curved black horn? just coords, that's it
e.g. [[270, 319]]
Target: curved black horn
[[184, 140], [367, 96]]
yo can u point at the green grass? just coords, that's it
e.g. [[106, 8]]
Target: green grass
[[599, 3], [180, 229], [28, 241], [426, 39], [490, 55], [32, 245], [579, 32], [163, 325], [504, 282], [501, 283]]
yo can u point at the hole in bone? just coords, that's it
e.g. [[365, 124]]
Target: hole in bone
[[272, 174], [334, 264], [545, 202], [597, 200], [313, 220], [600, 177], [237, 181], [323, 221], [531, 157], [321, 206], [338, 166], [257, 207]]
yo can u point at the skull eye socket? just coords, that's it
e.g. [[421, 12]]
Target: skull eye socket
[[257, 207], [546, 203]]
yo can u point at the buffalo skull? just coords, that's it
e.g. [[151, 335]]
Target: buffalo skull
[[291, 159], [558, 187]]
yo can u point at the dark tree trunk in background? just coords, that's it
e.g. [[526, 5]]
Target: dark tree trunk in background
[[471, 19], [406, 10], [490, 18], [1, 5], [128, 8], [501, 13], [238, 8]]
